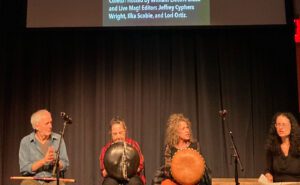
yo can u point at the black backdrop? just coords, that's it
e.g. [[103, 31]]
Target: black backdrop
[[144, 75]]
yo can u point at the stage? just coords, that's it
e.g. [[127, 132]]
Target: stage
[[231, 181]]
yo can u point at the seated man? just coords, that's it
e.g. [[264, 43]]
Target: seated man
[[37, 150], [118, 134]]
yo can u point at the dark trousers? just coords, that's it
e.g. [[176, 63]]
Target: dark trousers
[[135, 180]]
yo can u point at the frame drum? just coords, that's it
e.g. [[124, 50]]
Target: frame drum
[[121, 161], [187, 166]]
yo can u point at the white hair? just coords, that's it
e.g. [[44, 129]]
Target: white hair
[[35, 117]]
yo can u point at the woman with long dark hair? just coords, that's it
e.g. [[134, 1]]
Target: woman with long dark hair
[[283, 149]]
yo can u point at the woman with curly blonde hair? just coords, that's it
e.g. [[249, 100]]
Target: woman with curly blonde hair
[[179, 136], [173, 124]]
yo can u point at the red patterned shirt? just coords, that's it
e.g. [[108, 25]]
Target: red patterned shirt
[[136, 146]]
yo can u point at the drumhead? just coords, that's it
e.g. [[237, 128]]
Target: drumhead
[[116, 166], [187, 166]]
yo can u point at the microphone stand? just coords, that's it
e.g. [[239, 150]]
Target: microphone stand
[[56, 164], [237, 159], [235, 154]]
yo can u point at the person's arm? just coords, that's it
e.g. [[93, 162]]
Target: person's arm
[[48, 158], [269, 176], [167, 160], [24, 160], [198, 147], [29, 162], [269, 166], [27, 165], [101, 161], [206, 179], [137, 147], [63, 157]]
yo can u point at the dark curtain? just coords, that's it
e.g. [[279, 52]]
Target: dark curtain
[[144, 76]]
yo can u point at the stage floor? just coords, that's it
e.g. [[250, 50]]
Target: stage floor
[[231, 181]]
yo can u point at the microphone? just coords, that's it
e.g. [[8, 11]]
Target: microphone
[[66, 117]]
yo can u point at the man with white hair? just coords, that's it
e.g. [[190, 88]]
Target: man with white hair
[[37, 150]]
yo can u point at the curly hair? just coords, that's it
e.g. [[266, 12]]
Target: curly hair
[[274, 141], [171, 134]]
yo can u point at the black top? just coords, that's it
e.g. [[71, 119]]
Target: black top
[[283, 168], [194, 146]]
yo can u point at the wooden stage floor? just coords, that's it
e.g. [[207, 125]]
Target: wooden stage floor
[[242, 181], [231, 181]]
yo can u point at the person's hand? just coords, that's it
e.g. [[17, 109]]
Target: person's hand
[[104, 173], [269, 177], [60, 164], [50, 155]]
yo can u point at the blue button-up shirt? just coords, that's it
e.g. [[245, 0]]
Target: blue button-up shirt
[[30, 152]]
